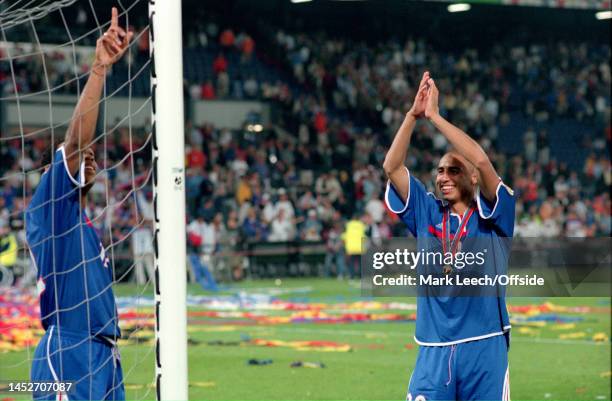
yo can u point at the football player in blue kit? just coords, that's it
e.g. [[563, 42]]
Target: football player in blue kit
[[77, 305], [464, 341]]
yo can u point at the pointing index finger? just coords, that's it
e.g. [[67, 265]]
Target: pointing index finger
[[114, 18]]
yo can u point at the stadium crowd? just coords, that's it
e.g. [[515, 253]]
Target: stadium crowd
[[316, 176]]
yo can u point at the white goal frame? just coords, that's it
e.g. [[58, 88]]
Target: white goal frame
[[169, 199]]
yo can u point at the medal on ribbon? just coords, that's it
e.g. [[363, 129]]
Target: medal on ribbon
[[453, 244]]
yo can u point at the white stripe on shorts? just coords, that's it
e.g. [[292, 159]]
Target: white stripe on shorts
[[60, 396]]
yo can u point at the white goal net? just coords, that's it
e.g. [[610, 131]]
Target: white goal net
[[47, 49]]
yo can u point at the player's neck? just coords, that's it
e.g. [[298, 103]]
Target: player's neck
[[83, 201], [459, 207]]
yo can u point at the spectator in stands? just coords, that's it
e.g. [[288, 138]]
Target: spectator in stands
[[372, 233], [243, 191], [251, 87], [328, 185], [142, 251], [285, 203], [375, 208], [142, 240], [219, 64], [268, 210], [601, 208], [223, 84], [220, 230], [282, 228], [195, 92], [544, 225], [202, 39], [320, 122], [206, 187], [202, 235], [196, 159], [325, 211], [227, 38], [230, 245], [306, 202], [212, 29], [335, 251], [246, 45], [575, 225], [207, 209], [208, 91], [237, 87], [252, 228], [311, 228]]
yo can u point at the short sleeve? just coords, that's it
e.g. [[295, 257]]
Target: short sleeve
[[500, 213], [415, 208], [57, 182], [60, 163], [57, 195]]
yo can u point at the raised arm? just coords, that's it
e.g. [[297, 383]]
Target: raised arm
[[466, 146], [109, 48], [394, 160]]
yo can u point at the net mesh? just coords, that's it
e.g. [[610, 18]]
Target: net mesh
[[46, 49]]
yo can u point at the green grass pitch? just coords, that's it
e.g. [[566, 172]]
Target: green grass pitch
[[542, 365]]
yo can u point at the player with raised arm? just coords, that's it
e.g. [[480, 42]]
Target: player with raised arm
[[463, 341], [77, 305]]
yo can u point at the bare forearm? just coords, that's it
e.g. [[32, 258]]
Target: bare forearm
[[396, 155], [466, 146], [84, 119]]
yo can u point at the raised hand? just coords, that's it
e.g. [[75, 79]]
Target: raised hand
[[113, 44], [420, 100], [432, 109]]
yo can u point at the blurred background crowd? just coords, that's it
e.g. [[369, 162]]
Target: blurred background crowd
[[540, 109]]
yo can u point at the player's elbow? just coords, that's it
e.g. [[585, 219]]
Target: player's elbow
[[389, 167], [71, 140], [389, 172]]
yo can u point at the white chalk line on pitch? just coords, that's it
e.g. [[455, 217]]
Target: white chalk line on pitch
[[403, 334]]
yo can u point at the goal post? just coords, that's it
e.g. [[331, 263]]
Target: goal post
[[169, 200]]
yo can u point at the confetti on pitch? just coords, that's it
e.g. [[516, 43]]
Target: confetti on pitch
[[323, 346]]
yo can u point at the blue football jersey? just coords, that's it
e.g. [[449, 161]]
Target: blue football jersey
[[447, 320], [74, 274]]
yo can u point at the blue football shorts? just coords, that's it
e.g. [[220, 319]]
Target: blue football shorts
[[91, 365], [474, 370]]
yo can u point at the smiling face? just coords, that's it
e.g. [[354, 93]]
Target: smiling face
[[456, 179]]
